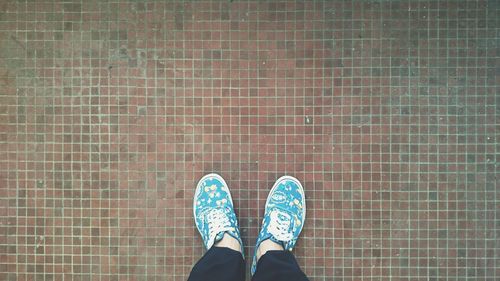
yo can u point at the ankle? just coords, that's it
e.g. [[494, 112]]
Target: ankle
[[268, 245], [230, 242]]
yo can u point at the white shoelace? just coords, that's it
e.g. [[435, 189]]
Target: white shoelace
[[279, 227], [217, 222]]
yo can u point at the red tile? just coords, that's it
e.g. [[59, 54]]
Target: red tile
[[111, 112]]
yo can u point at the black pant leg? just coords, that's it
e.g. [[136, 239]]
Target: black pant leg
[[219, 264], [278, 266]]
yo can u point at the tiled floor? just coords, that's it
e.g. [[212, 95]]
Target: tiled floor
[[387, 111]]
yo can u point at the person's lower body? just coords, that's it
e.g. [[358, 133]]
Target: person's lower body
[[217, 224], [219, 264], [224, 264], [278, 266]]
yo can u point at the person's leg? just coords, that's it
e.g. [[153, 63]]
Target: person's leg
[[278, 266], [216, 221], [283, 221], [219, 264]]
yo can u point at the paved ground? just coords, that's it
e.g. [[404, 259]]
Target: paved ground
[[387, 111]]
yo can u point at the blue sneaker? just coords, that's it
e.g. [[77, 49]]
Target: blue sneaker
[[284, 215], [213, 211]]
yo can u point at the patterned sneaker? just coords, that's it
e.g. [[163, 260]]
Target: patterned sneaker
[[284, 215], [213, 211]]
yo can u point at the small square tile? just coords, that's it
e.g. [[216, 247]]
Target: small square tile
[[386, 111]]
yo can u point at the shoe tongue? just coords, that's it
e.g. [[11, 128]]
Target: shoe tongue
[[282, 215], [219, 236]]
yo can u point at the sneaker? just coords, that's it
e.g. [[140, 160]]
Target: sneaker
[[284, 215], [213, 211]]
